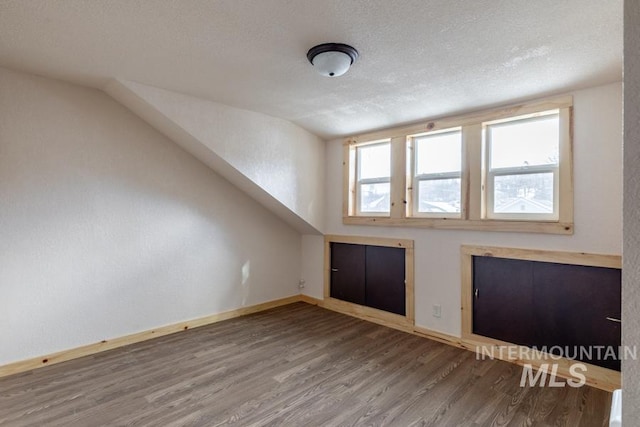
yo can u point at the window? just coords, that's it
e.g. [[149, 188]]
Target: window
[[502, 170], [374, 178], [437, 173], [522, 170]]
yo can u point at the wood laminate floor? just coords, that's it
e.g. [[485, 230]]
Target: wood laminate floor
[[297, 365]]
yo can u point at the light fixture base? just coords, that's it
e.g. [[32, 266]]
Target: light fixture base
[[332, 59]]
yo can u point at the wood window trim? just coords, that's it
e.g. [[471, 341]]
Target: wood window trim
[[413, 179], [490, 174], [597, 376], [405, 322], [473, 215]]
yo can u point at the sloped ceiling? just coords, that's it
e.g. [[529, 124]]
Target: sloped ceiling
[[284, 175], [419, 58]]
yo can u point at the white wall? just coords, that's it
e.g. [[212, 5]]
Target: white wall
[[313, 265], [631, 260], [598, 216], [108, 228], [275, 161]]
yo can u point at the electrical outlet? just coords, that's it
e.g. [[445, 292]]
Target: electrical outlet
[[437, 310], [301, 283]]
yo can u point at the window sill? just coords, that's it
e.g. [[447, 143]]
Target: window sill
[[545, 227]]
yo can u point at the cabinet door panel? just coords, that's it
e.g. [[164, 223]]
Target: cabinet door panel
[[572, 304], [385, 278], [503, 299], [348, 272]]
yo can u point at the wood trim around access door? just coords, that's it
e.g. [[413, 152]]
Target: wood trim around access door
[[405, 322], [596, 376]]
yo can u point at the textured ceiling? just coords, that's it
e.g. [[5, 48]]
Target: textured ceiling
[[419, 59]]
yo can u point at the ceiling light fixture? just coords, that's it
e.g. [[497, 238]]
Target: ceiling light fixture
[[332, 59]]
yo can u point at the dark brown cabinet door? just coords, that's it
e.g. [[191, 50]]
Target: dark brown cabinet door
[[576, 307], [373, 276], [385, 278], [569, 310], [503, 300], [348, 272]]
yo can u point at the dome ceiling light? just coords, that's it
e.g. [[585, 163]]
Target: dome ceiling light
[[332, 59]]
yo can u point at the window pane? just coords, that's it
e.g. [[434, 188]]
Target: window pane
[[526, 142], [439, 153], [527, 194], [374, 161], [439, 195], [375, 197]]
